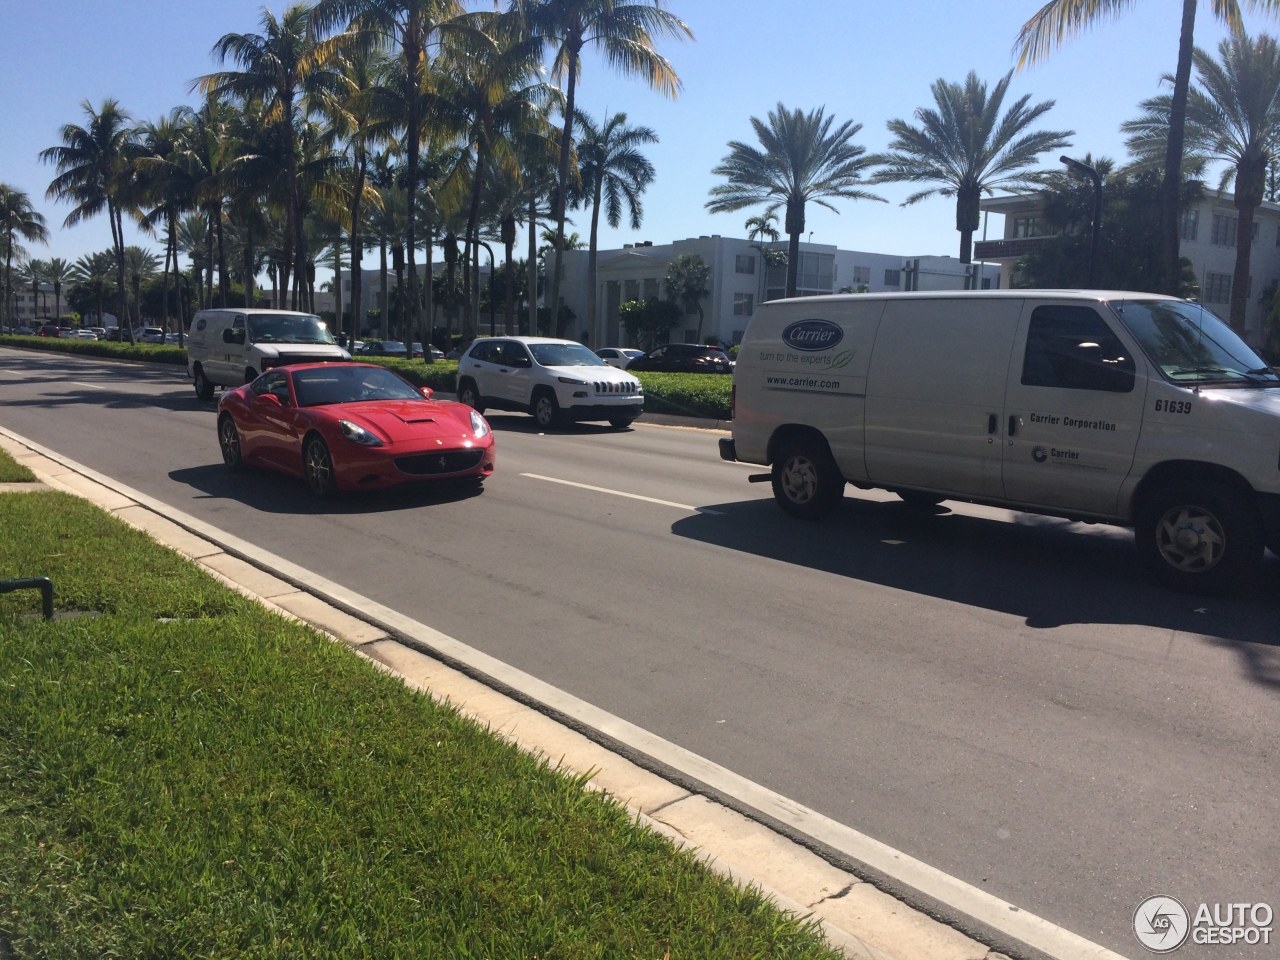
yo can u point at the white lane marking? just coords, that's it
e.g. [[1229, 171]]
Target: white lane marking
[[81, 383], [629, 496], [1041, 934]]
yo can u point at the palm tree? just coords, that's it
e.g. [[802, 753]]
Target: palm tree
[[279, 67], [967, 149], [33, 273], [94, 271], [1058, 20], [57, 272], [92, 164], [166, 190], [802, 160], [18, 218], [140, 265], [760, 228], [614, 172], [623, 32]]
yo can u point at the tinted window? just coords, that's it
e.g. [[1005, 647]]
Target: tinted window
[[334, 384], [1072, 347]]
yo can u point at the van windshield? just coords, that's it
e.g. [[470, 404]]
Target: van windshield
[[1191, 345], [287, 328]]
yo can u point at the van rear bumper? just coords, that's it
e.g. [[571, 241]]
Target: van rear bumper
[[727, 449], [1269, 506]]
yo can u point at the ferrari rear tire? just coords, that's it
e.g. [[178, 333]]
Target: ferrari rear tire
[[317, 466]]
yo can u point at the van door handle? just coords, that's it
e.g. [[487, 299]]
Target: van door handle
[[992, 422], [1013, 424]]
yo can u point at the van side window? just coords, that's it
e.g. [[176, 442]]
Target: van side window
[[1072, 347], [238, 324]]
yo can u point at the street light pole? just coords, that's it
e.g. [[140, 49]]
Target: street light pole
[[1075, 166], [492, 315]]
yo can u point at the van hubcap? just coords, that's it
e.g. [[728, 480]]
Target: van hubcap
[[1190, 539], [799, 480]]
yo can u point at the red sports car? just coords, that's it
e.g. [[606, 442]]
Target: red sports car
[[351, 426]]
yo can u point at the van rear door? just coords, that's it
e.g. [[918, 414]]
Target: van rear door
[[1074, 401], [935, 393]]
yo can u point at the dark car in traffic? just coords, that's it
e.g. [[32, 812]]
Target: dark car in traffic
[[684, 358]]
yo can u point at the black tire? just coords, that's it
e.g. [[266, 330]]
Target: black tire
[[919, 499], [806, 481], [229, 441], [620, 423], [204, 389], [1200, 537], [469, 394], [545, 410], [317, 467]]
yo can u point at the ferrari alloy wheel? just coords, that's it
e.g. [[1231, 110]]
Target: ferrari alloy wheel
[[318, 466], [229, 441]]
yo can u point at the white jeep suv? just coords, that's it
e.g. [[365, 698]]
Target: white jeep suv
[[555, 380]]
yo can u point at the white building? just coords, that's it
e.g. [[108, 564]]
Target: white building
[[739, 281], [1208, 241]]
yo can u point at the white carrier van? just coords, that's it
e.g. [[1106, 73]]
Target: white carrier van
[[230, 346], [1102, 406]]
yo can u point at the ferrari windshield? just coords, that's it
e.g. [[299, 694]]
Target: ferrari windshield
[[1191, 345], [287, 328], [334, 384], [565, 355]]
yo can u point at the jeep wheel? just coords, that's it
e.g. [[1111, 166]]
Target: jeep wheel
[[204, 389], [545, 410], [1201, 538], [470, 395], [806, 481]]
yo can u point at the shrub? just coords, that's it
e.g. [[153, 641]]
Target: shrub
[[153, 352]]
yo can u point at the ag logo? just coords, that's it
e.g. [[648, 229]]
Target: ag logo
[[1161, 923], [1039, 454]]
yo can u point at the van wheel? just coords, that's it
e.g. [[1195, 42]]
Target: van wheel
[[229, 441], [204, 389], [545, 410], [317, 465], [470, 395], [806, 481], [918, 499], [1200, 538]]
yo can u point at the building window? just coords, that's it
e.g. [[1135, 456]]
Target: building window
[[742, 304], [1224, 230], [816, 272], [1191, 224], [1028, 227], [986, 283], [744, 263], [737, 336], [1217, 287], [893, 278], [861, 275]]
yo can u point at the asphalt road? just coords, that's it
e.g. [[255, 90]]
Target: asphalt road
[[1004, 697]]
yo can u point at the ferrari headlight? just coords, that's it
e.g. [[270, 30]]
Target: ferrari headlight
[[478, 425], [358, 434]]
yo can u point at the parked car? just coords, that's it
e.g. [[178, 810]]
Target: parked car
[[347, 426], [22, 330], [380, 348], [618, 356], [82, 334], [113, 334], [49, 330], [151, 335], [436, 352], [99, 332], [684, 358], [555, 380]]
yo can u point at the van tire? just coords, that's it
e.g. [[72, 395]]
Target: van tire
[[545, 409], [1200, 537], [469, 394], [806, 481], [204, 389]]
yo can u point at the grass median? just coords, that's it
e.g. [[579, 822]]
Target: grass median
[[11, 471], [188, 774]]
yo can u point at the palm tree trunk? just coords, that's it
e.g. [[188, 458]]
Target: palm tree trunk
[[209, 261], [532, 267], [473, 236], [795, 227], [248, 263], [1172, 186], [224, 278], [357, 291], [1251, 182], [117, 237], [508, 244], [593, 322], [9, 304], [566, 138], [337, 290], [386, 303], [413, 55]]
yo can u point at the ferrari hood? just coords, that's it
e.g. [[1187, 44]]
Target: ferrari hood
[[401, 421]]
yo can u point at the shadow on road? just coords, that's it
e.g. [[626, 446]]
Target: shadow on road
[[273, 492], [1049, 572]]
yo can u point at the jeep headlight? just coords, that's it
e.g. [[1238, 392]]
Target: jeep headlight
[[576, 383], [479, 426], [358, 434]]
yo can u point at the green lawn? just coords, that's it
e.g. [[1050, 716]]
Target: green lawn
[[189, 775], [13, 472]]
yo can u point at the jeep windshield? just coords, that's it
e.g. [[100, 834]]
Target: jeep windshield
[[287, 328], [1191, 345], [564, 355]]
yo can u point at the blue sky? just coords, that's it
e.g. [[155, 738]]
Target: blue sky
[[863, 60]]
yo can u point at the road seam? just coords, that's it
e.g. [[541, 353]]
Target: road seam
[[972, 915]]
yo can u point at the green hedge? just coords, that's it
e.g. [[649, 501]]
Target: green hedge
[[687, 394], [153, 352]]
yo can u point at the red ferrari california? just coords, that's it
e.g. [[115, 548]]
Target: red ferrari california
[[351, 426]]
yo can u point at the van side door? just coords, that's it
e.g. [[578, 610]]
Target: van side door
[[935, 393], [1073, 409]]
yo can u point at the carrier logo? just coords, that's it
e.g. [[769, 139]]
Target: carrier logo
[[1039, 454], [812, 335]]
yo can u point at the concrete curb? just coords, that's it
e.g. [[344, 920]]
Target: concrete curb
[[804, 860]]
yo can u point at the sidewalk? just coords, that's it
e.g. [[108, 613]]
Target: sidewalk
[[736, 826]]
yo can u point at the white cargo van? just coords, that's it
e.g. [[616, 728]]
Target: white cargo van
[[1101, 406], [228, 347]]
